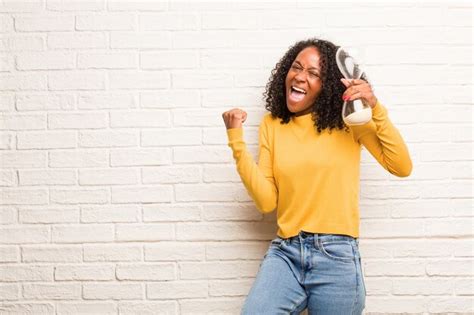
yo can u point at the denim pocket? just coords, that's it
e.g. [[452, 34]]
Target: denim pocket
[[337, 250]]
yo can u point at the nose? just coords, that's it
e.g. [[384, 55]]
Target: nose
[[300, 76]]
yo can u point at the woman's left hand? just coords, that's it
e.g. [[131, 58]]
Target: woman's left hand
[[359, 89]]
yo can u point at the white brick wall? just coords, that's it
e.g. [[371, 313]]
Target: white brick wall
[[119, 194]]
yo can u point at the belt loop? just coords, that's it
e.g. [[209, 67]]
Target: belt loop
[[316, 240]]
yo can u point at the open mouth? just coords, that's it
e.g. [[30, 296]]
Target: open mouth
[[296, 94]]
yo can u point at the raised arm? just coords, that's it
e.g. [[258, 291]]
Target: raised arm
[[383, 140], [257, 179]]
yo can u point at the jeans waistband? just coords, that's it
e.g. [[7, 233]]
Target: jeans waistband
[[324, 237]]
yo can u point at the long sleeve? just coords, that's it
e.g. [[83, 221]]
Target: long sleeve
[[384, 142], [257, 179]]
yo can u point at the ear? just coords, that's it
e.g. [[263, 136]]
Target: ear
[[345, 82]]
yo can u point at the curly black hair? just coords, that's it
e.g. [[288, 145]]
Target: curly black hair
[[328, 105]]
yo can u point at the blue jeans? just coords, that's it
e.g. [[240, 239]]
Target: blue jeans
[[321, 272]]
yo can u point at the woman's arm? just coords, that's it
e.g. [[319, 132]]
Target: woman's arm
[[257, 179], [384, 142], [379, 135]]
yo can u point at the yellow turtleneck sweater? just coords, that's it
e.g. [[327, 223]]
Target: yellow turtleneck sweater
[[313, 180]]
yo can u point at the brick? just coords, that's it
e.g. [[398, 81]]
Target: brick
[[230, 287], [122, 291], [140, 157], [28, 308], [47, 140], [112, 252], [9, 254], [218, 306], [46, 177], [140, 119], [202, 154], [15, 273], [218, 270], [9, 292], [201, 79], [147, 272], [230, 20], [106, 22], [142, 40], [142, 194], [107, 60], [7, 179], [21, 43], [168, 21], [7, 102], [108, 139], [77, 40], [295, 19], [91, 233], [44, 23], [202, 39], [236, 250], [90, 5], [171, 136], [457, 305], [86, 272], [391, 228], [116, 213], [45, 61], [52, 291], [165, 99], [6, 24], [149, 308], [449, 267], [86, 308], [108, 177], [76, 80], [25, 6], [48, 215], [144, 232], [238, 212], [50, 101], [23, 196], [200, 192], [225, 231], [23, 234], [171, 175], [51, 253], [78, 196], [395, 305], [251, 97], [231, 59], [105, 100], [78, 158], [22, 122], [394, 268], [173, 59], [174, 251], [447, 189], [422, 286], [220, 173], [177, 290], [123, 5], [6, 141], [8, 215], [171, 212]]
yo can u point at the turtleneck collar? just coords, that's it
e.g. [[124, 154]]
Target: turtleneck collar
[[302, 118]]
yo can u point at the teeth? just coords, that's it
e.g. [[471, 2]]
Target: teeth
[[299, 90]]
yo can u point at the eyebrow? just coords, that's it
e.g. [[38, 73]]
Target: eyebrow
[[296, 61]]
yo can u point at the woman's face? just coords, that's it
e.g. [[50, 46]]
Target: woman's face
[[303, 81]]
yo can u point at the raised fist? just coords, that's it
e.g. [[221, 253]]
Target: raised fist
[[234, 118]]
